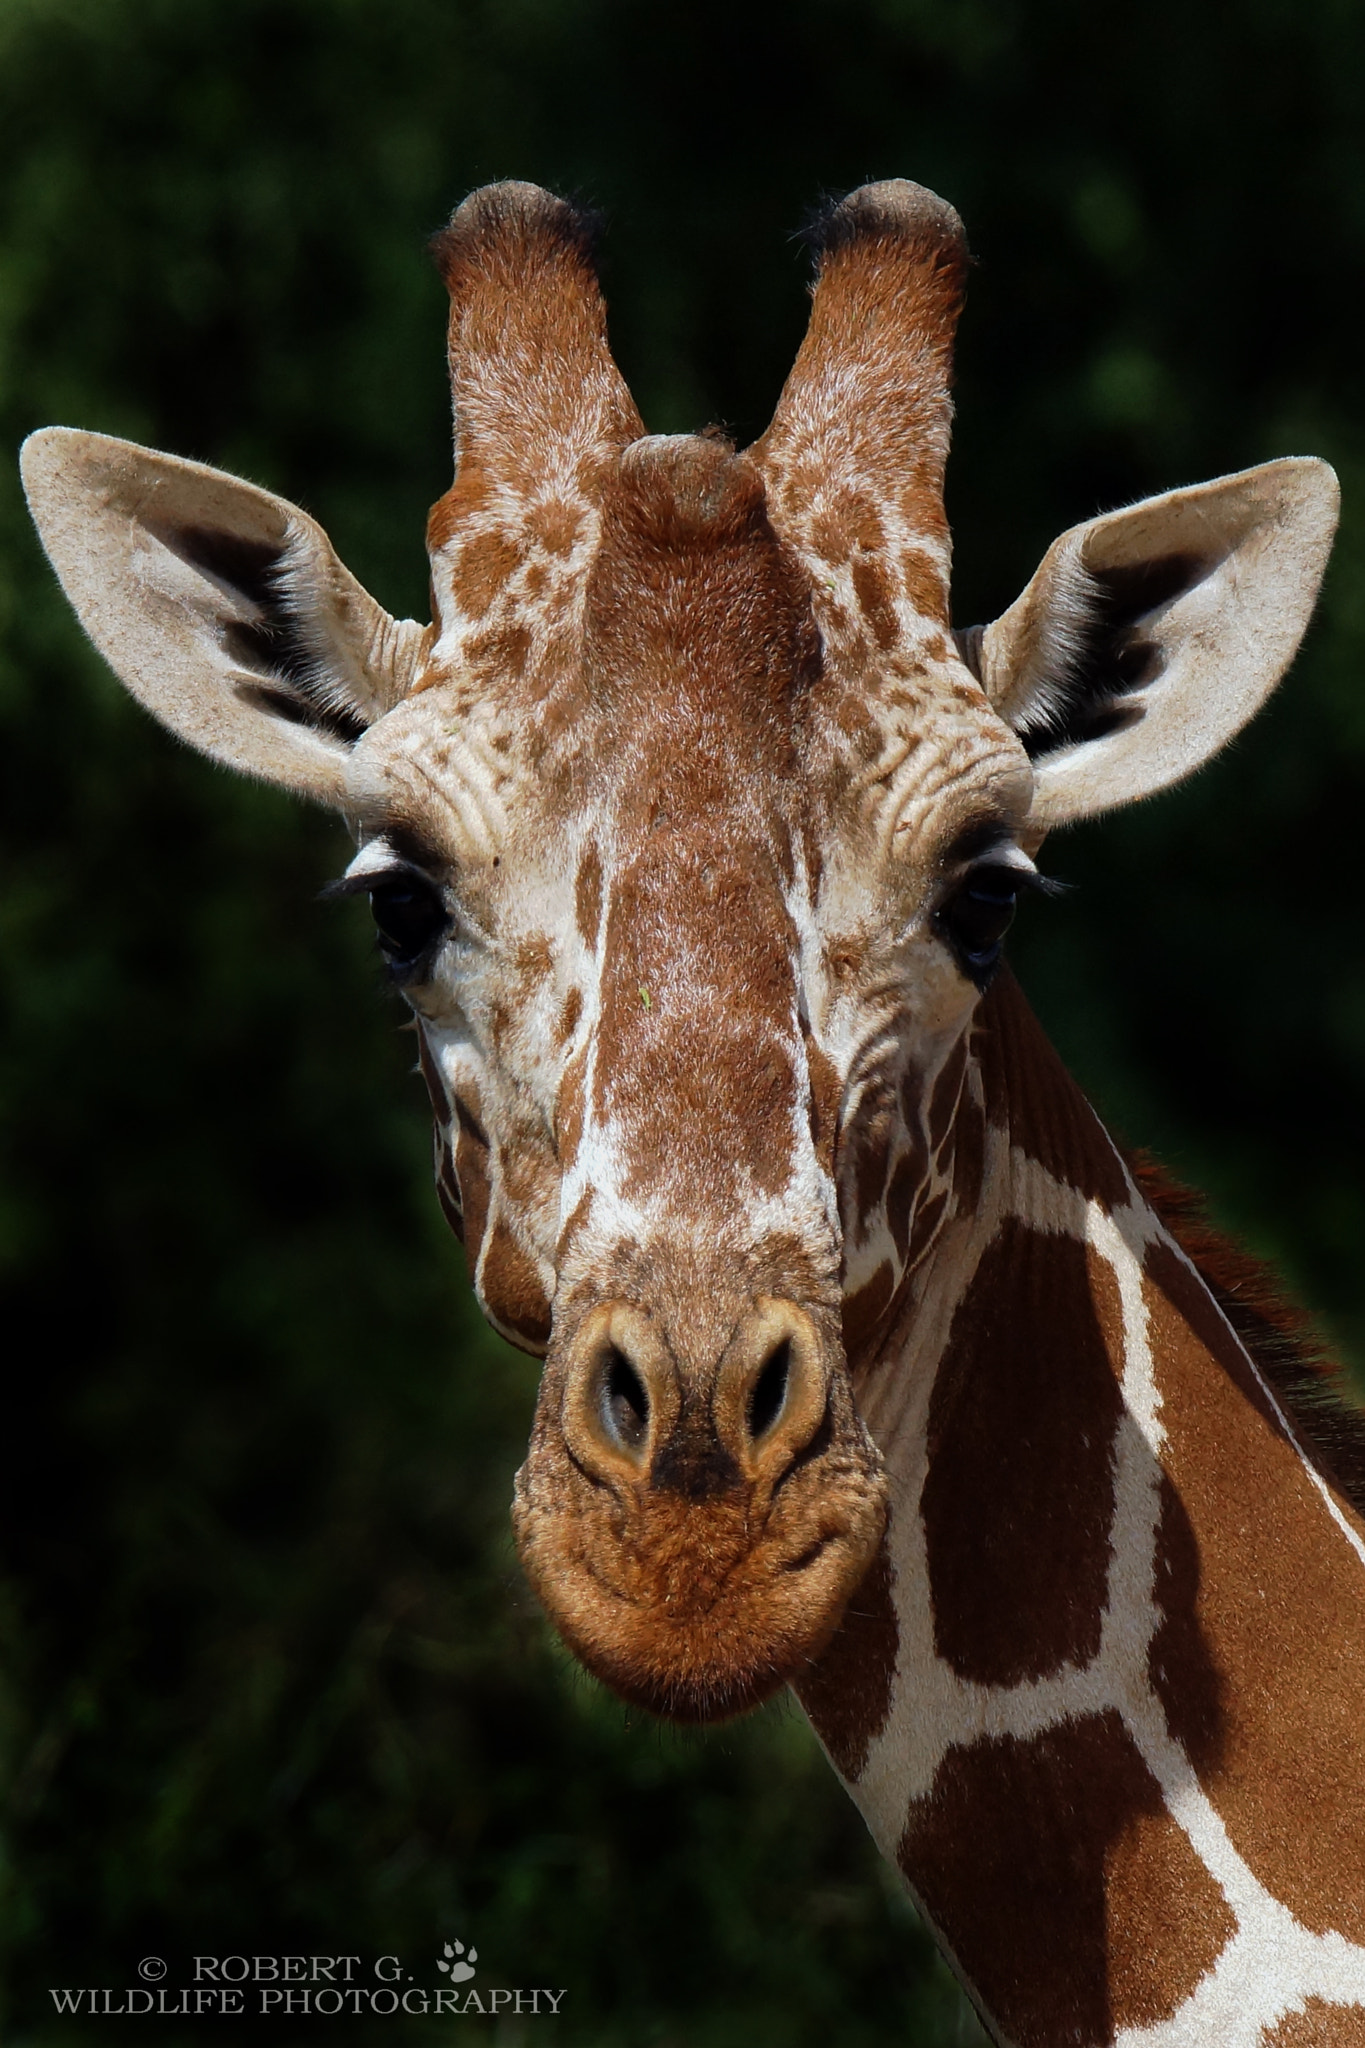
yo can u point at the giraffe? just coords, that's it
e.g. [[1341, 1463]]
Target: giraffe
[[692, 831]]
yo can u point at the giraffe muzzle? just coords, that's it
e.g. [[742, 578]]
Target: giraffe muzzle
[[630, 1420], [695, 1531]]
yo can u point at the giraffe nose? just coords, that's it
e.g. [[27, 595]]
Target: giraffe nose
[[634, 1413], [621, 1392], [771, 1398]]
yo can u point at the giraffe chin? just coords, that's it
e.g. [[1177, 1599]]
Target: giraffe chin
[[677, 1604], [689, 1649]]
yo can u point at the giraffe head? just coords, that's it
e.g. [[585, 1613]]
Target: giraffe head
[[691, 832]]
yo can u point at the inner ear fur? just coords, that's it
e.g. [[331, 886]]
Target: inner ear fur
[[223, 608], [1151, 635]]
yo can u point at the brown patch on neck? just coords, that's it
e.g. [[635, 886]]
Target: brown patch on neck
[[969, 1155], [1280, 1336], [945, 1096], [847, 1690], [883, 1162], [1068, 1894], [1030, 1093], [863, 1313], [1319, 2025], [929, 1216], [1277, 1609], [902, 1199], [1180, 1664], [1022, 1419]]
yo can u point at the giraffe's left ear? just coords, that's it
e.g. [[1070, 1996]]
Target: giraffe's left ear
[[1150, 636], [223, 608]]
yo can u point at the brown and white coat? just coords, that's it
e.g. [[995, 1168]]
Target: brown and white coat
[[692, 831]]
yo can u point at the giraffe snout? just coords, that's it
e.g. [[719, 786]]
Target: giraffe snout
[[696, 1508], [632, 1418]]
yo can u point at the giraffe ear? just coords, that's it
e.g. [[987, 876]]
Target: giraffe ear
[[222, 608], [1150, 636]]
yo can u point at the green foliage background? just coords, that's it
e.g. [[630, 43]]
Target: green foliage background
[[270, 1679]]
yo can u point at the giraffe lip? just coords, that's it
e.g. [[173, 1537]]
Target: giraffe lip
[[607, 1586], [811, 1554], [690, 1611]]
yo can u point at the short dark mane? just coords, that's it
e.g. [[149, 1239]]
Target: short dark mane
[[1282, 1339]]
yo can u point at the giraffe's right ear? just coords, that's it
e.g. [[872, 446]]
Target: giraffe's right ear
[[1150, 636], [223, 608]]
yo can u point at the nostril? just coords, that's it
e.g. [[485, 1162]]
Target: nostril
[[620, 1395], [625, 1403], [770, 1390]]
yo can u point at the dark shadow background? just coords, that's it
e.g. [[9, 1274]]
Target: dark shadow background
[[270, 1679]]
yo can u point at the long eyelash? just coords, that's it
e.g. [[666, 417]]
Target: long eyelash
[[1027, 878], [362, 884], [1042, 885]]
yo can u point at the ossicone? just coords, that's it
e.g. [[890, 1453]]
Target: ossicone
[[896, 217], [537, 399], [515, 229], [853, 462]]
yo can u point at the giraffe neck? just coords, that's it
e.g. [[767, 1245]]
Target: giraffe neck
[[1103, 1697]]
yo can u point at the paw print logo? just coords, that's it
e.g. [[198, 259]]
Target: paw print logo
[[460, 1968]]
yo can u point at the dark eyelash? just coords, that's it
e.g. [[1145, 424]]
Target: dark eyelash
[[361, 885], [978, 909], [1027, 881], [1040, 885]]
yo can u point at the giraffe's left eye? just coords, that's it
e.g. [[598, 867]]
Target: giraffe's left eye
[[409, 918], [976, 917]]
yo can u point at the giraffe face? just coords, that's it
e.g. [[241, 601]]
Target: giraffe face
[[691, 841], [670, 909]]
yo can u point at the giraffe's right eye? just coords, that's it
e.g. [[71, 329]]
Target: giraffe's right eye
[[976, 917], [409, 918]]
